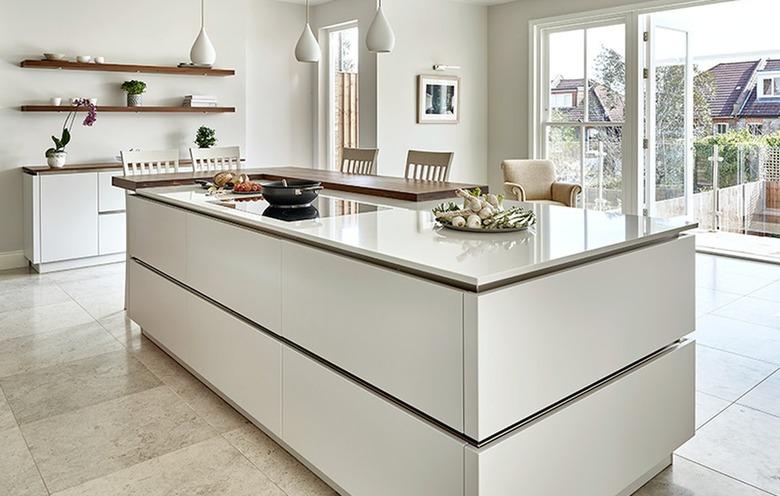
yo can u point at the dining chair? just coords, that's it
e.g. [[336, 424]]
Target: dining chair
[[428, 166], [216, 159], [359, 161], [135, 162], [535, 181]]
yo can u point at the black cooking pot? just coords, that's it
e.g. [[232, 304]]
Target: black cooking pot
[[291, 193]]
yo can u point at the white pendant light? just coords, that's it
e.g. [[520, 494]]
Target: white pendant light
[[380, 37], [202, 52], [307, 49]]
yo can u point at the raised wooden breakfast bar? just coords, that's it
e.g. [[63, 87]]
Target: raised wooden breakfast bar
[[396, 188], [396, 358]]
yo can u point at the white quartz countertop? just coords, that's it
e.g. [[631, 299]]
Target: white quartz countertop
[[404, 236]]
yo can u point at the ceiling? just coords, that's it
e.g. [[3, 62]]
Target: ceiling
[[477, 2]]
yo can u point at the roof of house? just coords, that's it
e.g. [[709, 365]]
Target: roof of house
[[729, 80], [605, 104], [735, 84]]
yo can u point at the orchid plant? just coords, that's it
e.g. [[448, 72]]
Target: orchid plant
[[61, 142]]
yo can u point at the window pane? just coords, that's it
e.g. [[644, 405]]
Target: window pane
[[607, 73], [567, 73], [767, 86], [603, 185], [563, 148], [777, 86]]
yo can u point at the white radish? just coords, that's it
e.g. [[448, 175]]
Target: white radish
[[451, 214], [458, 221], [474, 221], [493, 200]]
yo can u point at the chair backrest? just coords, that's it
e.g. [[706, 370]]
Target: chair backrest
[[136, 162], [535, 176], [359, 161], [216, 159], [429, 166]]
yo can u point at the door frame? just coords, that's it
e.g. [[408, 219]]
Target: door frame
[[633, 127]]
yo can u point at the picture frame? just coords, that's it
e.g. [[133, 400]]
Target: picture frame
[[438, 99]]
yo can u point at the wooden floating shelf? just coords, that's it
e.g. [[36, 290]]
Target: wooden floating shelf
[[137, 110], [151, 69]]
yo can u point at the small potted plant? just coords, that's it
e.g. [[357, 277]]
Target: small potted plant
[[57, 156], [205, 137], [134, 91]]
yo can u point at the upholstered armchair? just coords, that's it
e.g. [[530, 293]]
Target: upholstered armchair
[[534, 181]]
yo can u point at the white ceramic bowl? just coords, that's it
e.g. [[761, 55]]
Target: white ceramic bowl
[[100, 60], [84, 58], [54, 56]]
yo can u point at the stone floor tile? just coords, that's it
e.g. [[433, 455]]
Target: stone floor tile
[[281, 467], [211, 467], [98, 440], [741, 443], [62, 388], [27, 353]]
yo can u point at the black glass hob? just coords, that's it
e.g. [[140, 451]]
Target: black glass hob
[[323, 206]]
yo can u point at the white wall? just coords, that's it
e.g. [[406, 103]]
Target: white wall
[[438, 31], [441, 32], [508, 79], [256, 37], [331, 14]]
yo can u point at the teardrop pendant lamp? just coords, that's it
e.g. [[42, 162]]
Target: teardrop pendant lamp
[[307, 49], [380, 37], [202, 52]]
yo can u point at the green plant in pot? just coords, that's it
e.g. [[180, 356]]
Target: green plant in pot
[[205, 137], [135, 90], [56, 156]]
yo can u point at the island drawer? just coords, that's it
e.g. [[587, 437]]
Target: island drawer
[[610, 441], [532, 344], [240, 361], [237, 267], [156, 235], [402, 334], [365, 444]]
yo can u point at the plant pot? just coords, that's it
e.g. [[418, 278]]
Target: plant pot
[[135, 100], [57, 160]]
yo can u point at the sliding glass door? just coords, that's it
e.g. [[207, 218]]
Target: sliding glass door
[[583, 112]]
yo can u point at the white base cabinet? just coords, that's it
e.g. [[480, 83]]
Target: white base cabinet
[[72, 219]]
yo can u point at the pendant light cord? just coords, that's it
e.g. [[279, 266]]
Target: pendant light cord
[[307, 11], [202, 13]]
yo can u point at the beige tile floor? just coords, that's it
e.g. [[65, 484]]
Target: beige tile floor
[[88, 406]]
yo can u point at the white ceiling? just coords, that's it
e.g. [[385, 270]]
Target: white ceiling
[[478, 2]]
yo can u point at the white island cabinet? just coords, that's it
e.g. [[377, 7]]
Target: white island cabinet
[[72, 218], [397, 359]]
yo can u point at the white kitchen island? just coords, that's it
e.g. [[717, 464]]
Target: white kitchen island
[[396, 358]]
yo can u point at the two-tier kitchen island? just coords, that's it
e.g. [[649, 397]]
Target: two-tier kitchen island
[[395, 358]]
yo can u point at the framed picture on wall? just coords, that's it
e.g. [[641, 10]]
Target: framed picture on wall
[[438, 100]]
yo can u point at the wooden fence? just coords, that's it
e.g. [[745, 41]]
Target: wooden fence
[[346, 110]]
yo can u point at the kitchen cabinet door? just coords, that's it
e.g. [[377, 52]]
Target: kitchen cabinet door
[[365, 444], [110, 198], [69, 216], [112, 233]]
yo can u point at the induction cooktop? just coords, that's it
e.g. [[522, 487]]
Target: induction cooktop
[[323, 206]]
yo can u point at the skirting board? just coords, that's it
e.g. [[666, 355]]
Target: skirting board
[[12, 260], [78, 263]]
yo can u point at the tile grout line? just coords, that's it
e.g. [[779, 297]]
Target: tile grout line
[[222, 435], [26, 444], [726, 475], [739, 355]]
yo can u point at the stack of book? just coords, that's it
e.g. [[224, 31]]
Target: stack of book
[[200, 101]]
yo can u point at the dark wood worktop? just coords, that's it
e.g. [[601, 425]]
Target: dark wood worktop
[[383, 186], [68, 169]]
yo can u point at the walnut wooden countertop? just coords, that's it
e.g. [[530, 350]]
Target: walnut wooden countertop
[[383, 186]]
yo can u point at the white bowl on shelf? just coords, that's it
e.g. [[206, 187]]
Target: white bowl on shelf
[[54, 56], [84, 59]]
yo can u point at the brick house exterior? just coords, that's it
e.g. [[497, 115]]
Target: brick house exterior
[[740, 99]]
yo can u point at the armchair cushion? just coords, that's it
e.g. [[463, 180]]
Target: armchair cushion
[[566, 193], [535, 176], [514, 191]]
